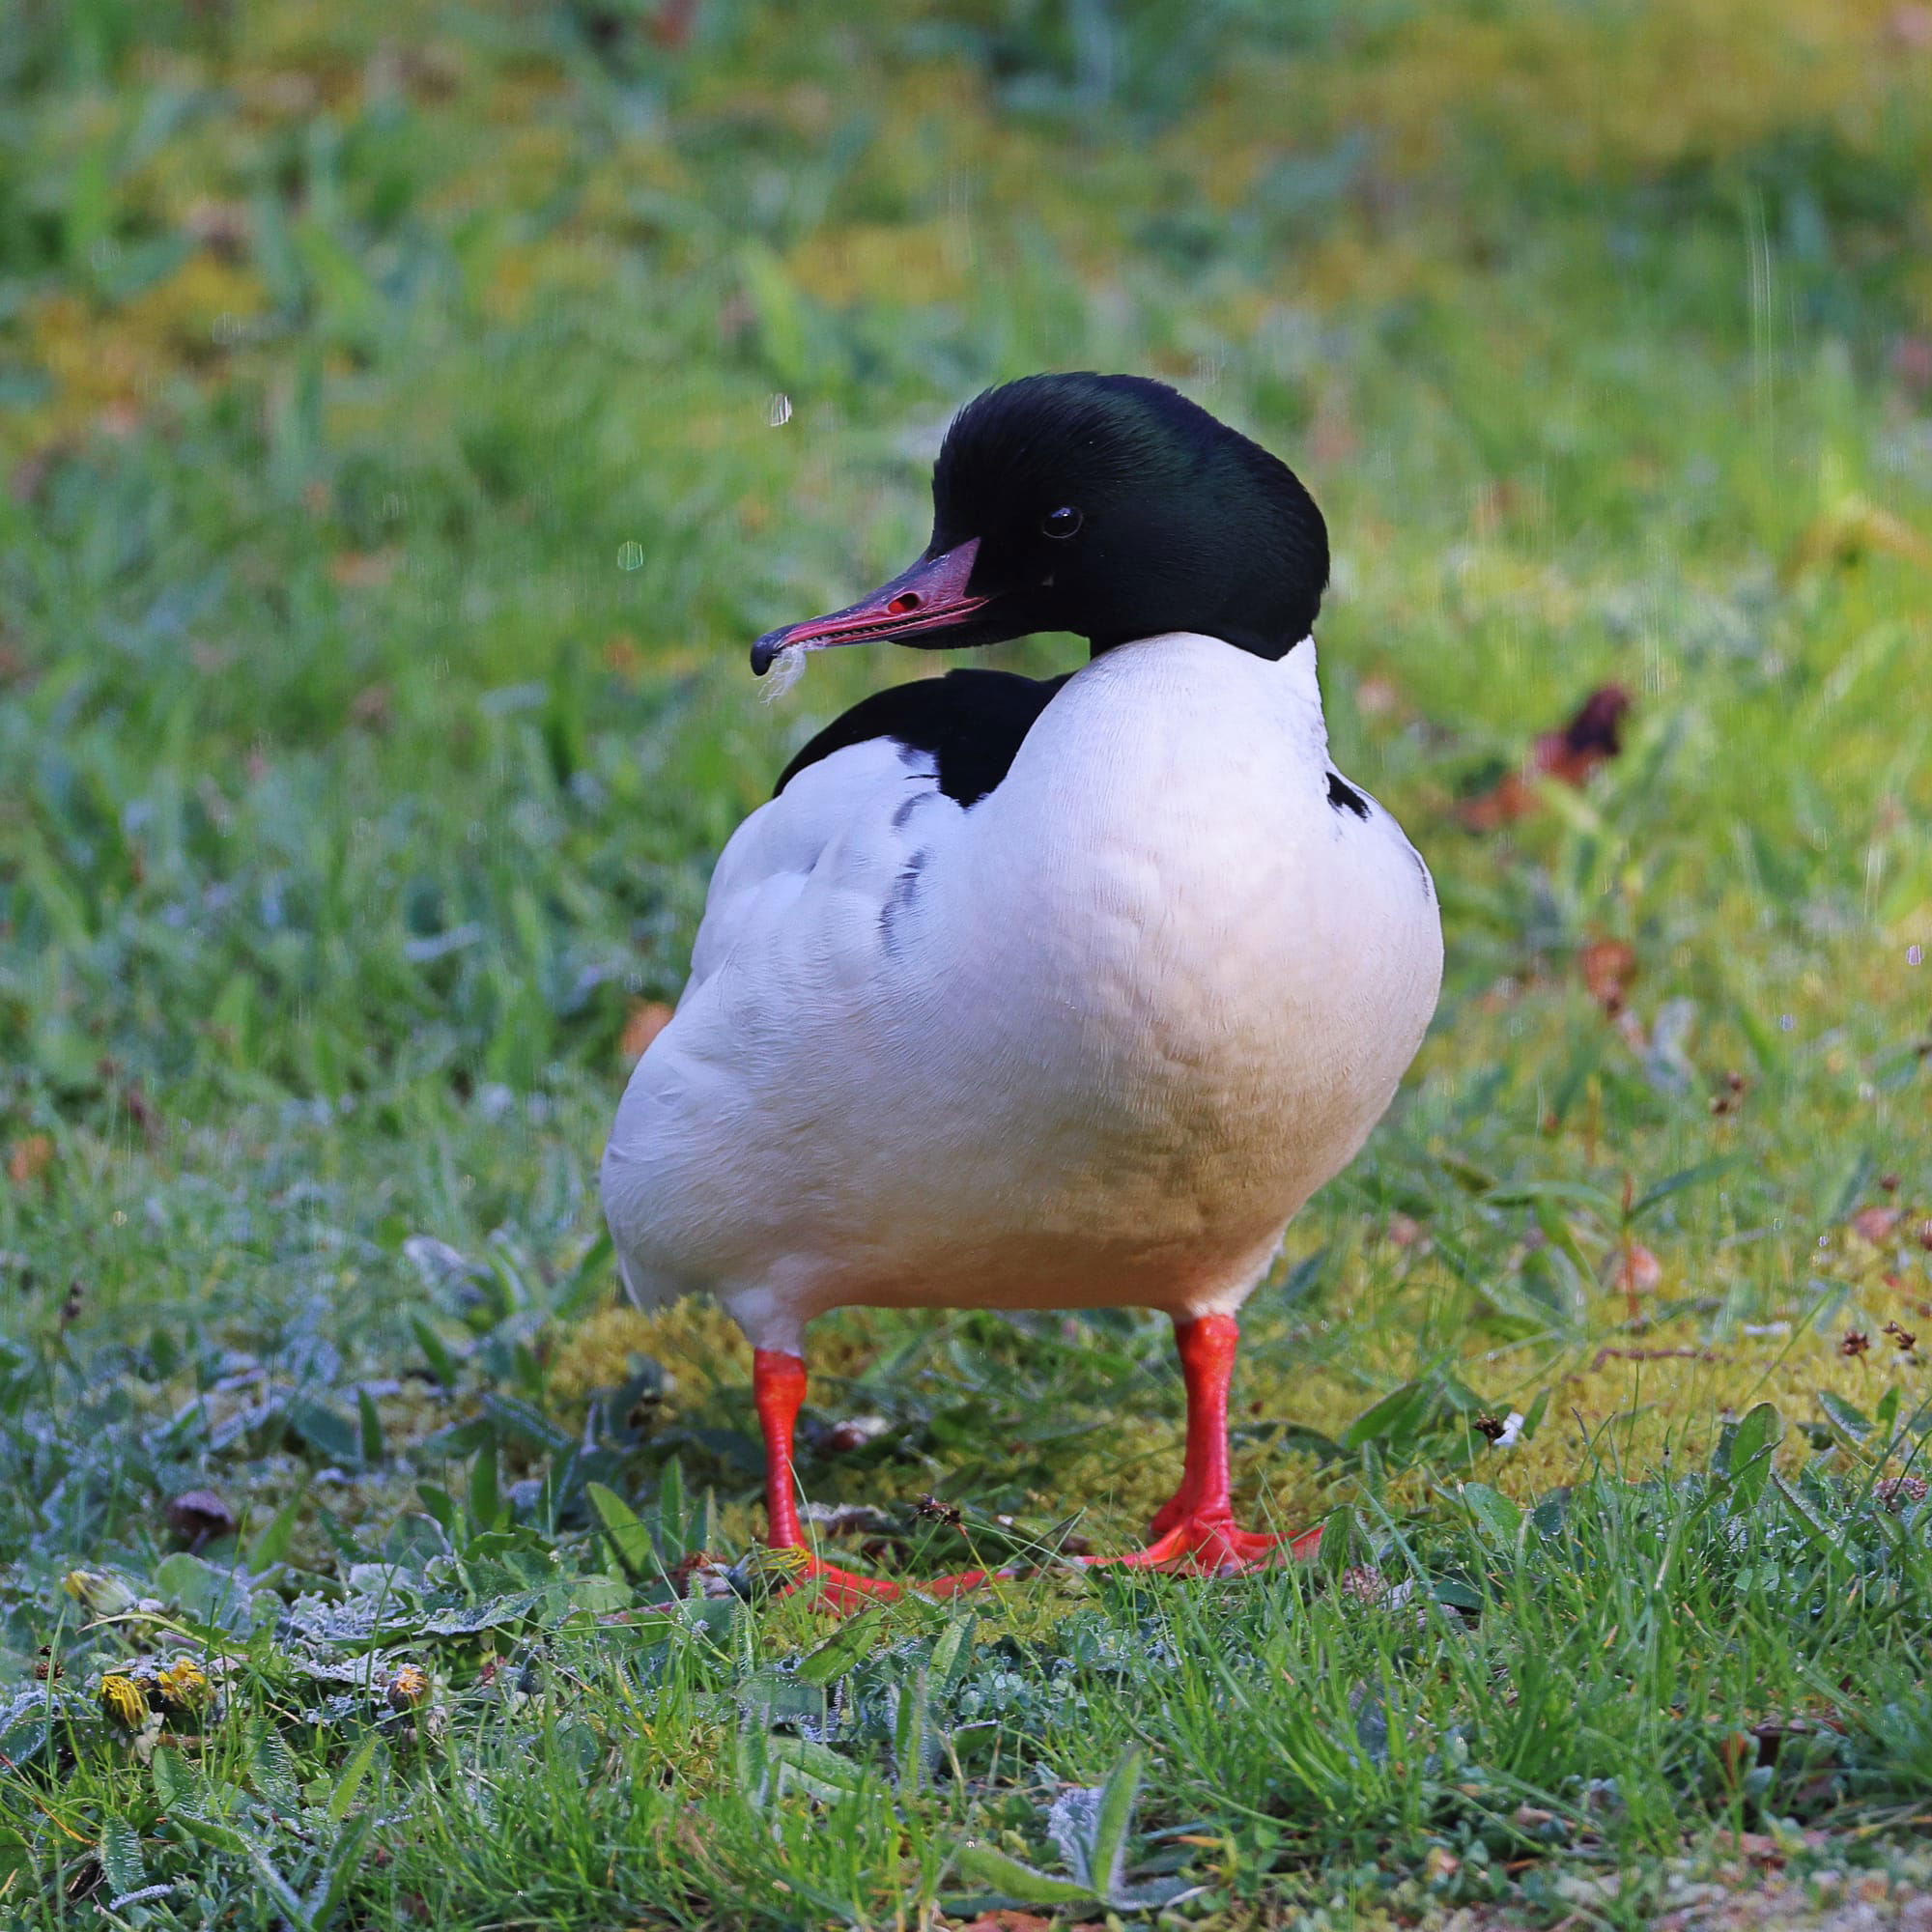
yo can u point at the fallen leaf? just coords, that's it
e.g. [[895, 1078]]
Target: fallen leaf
[[1876, 1225], [1509, 798], [646, 1020], [29, 1158], [1495, 503], [1376, 697], [1593, 736], [622, 655], [362, 569], [1898, 1494], [1638, 1270], [1911, 354], [1911, 27], [670, 24], [1609, 967]]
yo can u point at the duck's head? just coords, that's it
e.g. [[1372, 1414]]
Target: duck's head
[[1105, 505]]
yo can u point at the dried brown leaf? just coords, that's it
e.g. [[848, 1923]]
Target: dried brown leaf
[[1609, 967], [1876, 1225], [29, 1157], [362, 569], [1638, 1270]]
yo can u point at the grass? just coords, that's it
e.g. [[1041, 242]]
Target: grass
[[397, 471]]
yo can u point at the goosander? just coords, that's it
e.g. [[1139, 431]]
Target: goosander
[[1059, 993]]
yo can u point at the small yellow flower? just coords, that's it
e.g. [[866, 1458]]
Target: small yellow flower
[[182, 1682], [409, 1687], [124, 1700], [105, 1596]]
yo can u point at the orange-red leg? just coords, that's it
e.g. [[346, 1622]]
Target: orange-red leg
[[777, 1386], [1195, 1530]]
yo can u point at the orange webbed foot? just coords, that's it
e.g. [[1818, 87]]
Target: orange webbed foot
[[1211, 1545]]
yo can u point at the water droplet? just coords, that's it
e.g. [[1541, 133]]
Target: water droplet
[[1786, 1022], [1914, 956], [778, 411], [630, 555]]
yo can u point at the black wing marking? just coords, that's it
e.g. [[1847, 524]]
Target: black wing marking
[[973, 721], [1344, 796]]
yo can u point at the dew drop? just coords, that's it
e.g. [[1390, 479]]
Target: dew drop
[[630, 557], [1914, 956], [777, 412]]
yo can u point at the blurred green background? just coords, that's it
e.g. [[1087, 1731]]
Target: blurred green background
[[389, 411]]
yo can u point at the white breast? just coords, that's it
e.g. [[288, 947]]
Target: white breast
[[1092, 1041]]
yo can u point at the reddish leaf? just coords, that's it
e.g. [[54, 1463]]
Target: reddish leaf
[[1639, 1271], [1593, 736], [1609, 967], [28, 1158]]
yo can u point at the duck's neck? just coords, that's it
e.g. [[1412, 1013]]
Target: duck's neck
[[1168, 730], [1181, 683]]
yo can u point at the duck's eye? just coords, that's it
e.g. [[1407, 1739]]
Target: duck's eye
[[1061, 523]]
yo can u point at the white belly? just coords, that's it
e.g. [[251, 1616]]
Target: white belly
[[1138, 1005]]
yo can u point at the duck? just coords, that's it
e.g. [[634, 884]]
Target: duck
[[1060, 993]]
